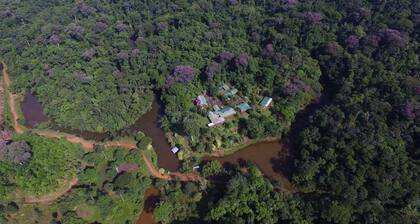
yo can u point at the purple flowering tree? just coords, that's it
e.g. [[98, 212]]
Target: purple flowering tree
[[212, 69], [226, 56], [181, 74], [242, 60], [294, 87], [75, 31], [358, 14], [89, 54], [48, 70], [83, 77], [233, 2], [6, 13], [161, 27], [5, 135], [123, 55], [15, 152], [84, 9], [117, 73], [100, 27], [312, 17], [135, 52], [411, 110], [268, 50], [333, 48], [352, 41], [291, 3], [54, 39], [395, 38], [121, 27], [372, 40]]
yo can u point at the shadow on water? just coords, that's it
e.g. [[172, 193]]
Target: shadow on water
[[32, 109]]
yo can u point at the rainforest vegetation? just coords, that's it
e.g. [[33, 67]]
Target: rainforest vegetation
[[97, 65], [110, 188]]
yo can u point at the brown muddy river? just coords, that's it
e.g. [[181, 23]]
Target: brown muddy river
[[149, 124], [272, 158], [151, 198], [275, 159]]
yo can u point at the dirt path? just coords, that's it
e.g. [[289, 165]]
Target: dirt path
[[85, 144], [2, 103], [189, 177], [119, 144], [48, 198], [12, 103]]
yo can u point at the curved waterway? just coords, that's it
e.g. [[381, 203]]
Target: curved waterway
[[272, 158], [149, 124], [275, 159], [151, 198]]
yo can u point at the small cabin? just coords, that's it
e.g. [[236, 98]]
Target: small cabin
[[127, 167], [201, 101], [226, 112], [266, 102], [215, 119], [224, 87], [174, 150], [231, 93], [243, 107]]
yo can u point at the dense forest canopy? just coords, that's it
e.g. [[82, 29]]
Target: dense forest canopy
[[95, 65]]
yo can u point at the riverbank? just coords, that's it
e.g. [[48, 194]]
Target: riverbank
[[171, 176], [223, 152], [266, 153], [88, 145]]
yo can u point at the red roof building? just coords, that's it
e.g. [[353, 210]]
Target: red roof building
[[127, 167]]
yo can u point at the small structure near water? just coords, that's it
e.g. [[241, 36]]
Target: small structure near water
[[201, 101], [127, 167], [243, 107], [215, 119], [174, 150], [225, 108], [226, 112], [266, 102]]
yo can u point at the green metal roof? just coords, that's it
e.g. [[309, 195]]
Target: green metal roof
[[243, 107], [265, 101]]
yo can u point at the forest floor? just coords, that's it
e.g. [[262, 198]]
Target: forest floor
[[48, 198]]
